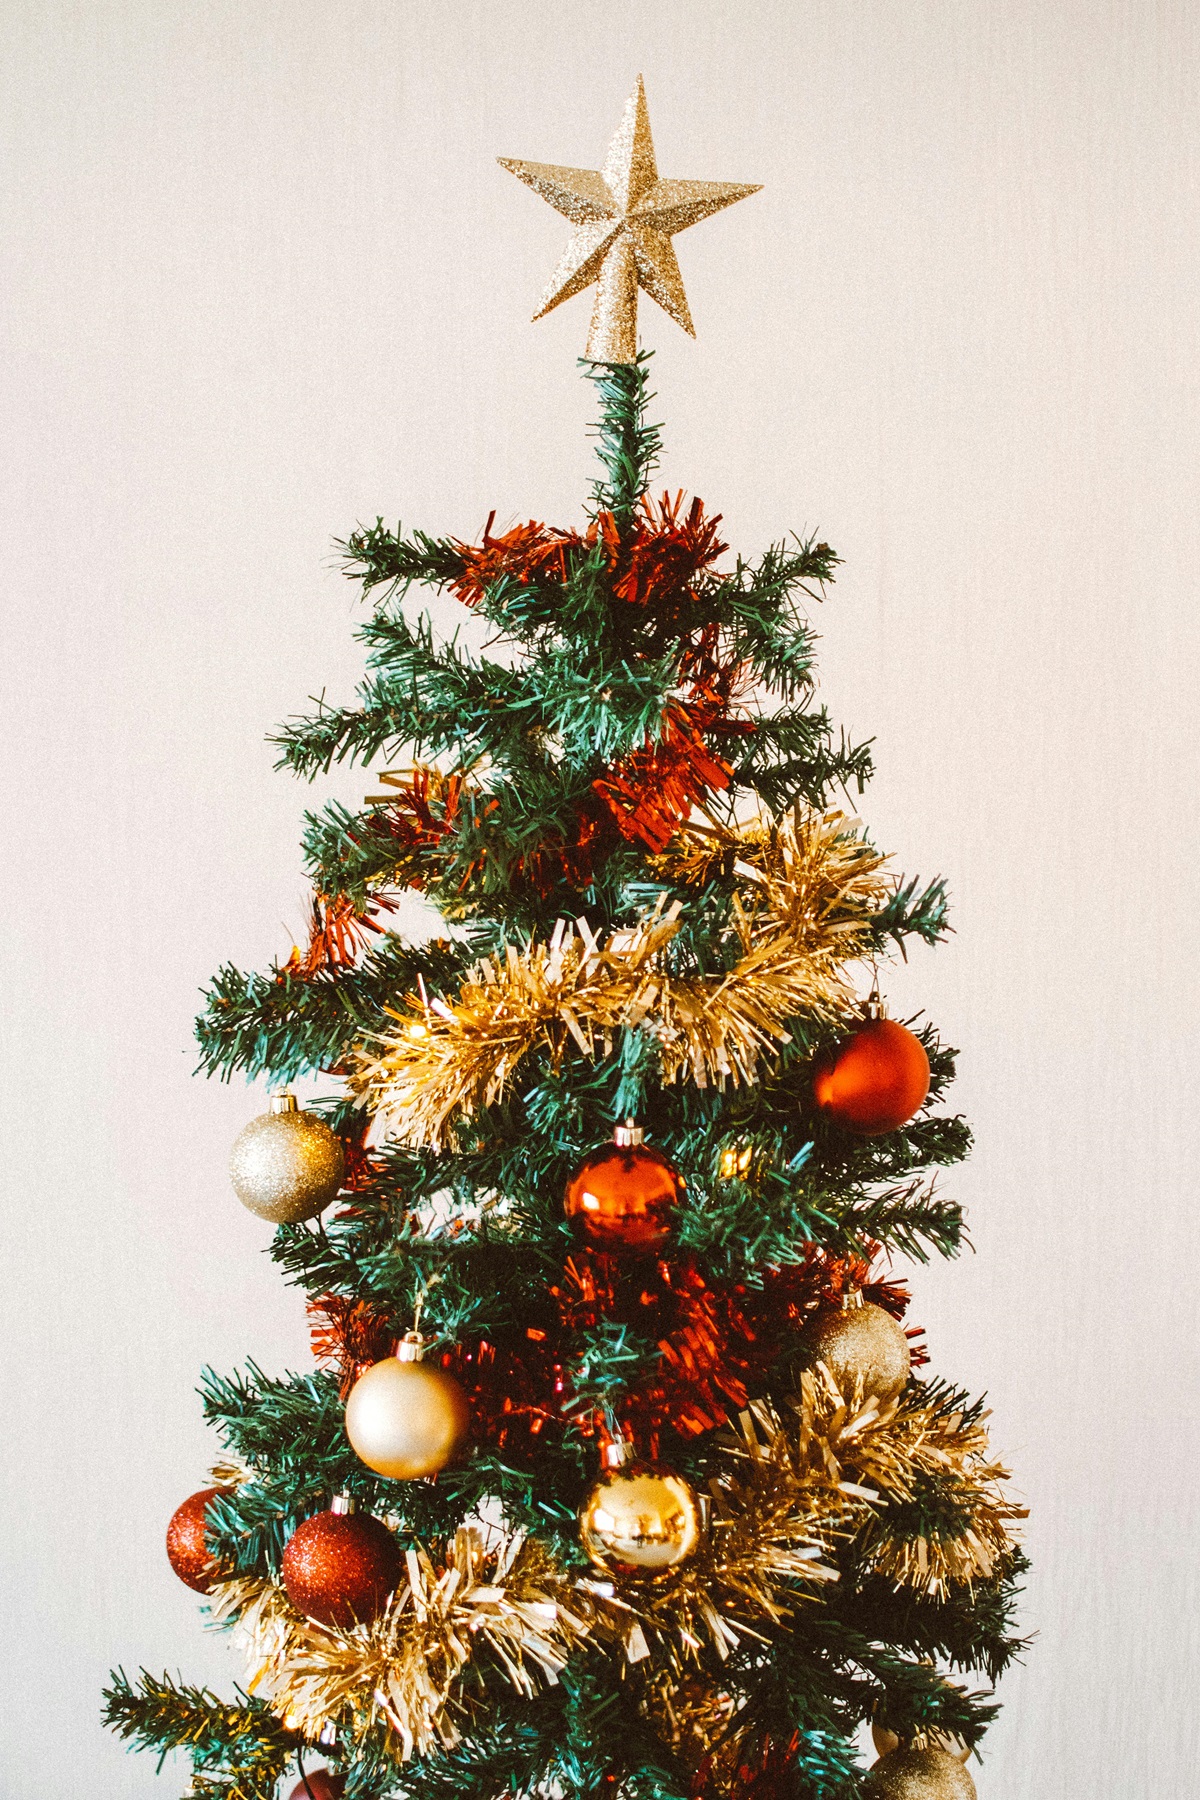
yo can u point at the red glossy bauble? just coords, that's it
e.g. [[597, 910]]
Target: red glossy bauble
[[876, 1080], [623, 1195], [187, 1547], [340, 1567], [321, 1786]]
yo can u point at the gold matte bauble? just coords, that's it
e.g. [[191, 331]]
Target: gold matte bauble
[[885, 1740], [406, 1419], [919, 1775], [863, 1348], [639, 1520], [287, 1165]]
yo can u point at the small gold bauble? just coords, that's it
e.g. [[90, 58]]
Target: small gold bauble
[[288, 1164], [919, 1775], [885, 1740], [405, 1419], [863, 1348], [639, 1520]]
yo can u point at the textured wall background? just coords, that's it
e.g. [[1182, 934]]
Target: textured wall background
[[263, 280]]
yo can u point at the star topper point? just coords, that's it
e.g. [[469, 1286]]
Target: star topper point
[[624, 218]]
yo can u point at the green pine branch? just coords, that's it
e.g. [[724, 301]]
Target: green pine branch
[[284, 1024], [377, 557], [628, 447], [242, 1739]]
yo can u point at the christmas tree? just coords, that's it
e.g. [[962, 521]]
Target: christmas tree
[[617, 1474]]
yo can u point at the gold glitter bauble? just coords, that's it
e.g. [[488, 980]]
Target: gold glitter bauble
[[863, 1347], [288, 1164], [885, 1740], [639, 1520], [405, 1419], [919, 1775]]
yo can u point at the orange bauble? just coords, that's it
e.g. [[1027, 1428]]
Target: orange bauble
[[187, 1543], [876, 1080], [623, 1195]]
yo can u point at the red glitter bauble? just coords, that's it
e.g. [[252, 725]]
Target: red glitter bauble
[[187, 1549], [339, 1568], [876, 1080], [622, 1196], [321, 1786]]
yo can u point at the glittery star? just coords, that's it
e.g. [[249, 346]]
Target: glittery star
[[624, 219]]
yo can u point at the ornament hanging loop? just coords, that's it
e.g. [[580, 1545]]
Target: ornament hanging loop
[[617, 1452]]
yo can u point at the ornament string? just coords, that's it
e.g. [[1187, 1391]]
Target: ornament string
[[303, 1776]]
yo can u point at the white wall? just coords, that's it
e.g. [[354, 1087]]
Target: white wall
[[265, 279]]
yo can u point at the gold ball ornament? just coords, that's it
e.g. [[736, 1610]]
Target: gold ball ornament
[[863, 1348], [919, 1775], [885, 1740], [405, 1419], [639, 1519], [287, 1165]]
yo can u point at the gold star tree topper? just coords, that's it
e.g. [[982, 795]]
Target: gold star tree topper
[[624, 219]]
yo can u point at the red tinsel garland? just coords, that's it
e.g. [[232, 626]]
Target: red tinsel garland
[[348, 1336], [655, 563], [717, 1342], [421, 810], [336, 934], [653, 791]]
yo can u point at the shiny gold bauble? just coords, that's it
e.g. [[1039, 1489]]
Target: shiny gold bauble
[[863, 1348], [406, 1419], [639, 1520], [287, 1165], [885, 1740], [623, 1196], [919, 1775]]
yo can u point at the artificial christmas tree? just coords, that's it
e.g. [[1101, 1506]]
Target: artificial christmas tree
[[652, 1504]]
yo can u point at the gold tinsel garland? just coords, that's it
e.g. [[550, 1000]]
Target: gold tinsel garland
[[792, 1484], [402, 1673], [807, 890], [887, 1452]]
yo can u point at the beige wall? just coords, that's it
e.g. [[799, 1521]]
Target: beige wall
[[265, 279]]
